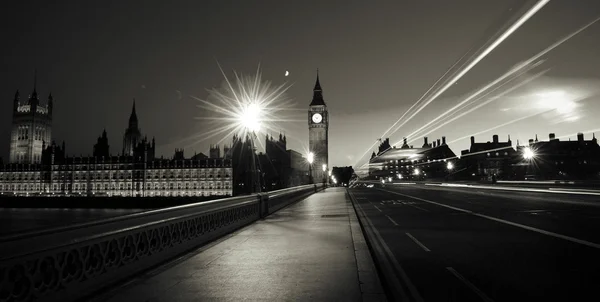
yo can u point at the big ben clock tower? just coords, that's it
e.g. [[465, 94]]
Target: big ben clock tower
[[318, 133]]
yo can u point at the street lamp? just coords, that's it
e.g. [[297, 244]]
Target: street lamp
[[528, 153], [251, 119], [324, 174], [450, 166], [311, 159]]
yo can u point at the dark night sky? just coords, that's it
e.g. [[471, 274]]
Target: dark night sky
[[375, 58]]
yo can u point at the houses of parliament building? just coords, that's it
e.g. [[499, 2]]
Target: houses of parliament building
[[38, 166]]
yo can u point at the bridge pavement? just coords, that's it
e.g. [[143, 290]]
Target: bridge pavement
[[312, 250]]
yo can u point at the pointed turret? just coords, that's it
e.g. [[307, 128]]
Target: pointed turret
[[33, 99], [536, 139], [104, 133], [317, 99], [133, 121], [34, 93], [16, 100], [318, 84]]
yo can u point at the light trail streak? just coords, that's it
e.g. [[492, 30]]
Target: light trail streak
[[455, 77], [482, 55], [415, 104], [501, 125], [534, 58], [455, 109], [489, 100]]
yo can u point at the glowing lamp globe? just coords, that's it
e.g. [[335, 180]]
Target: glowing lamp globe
[[528, 153], [251, 117]]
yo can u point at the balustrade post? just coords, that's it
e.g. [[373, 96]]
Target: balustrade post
[[263, 202]]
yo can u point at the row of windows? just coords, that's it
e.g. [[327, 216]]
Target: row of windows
[[115, 175], [22, 157], [119, 186], [168, 166], [224, 192], [105, 187]]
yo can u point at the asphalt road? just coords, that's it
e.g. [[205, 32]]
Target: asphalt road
[[467, 244]]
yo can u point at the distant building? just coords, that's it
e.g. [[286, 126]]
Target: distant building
[[555, 159], [102, 148], [214, 151], [298, 174], [137, 173], [488, 160], [409, 163], [31, 128], [119, 176], [318, 133]]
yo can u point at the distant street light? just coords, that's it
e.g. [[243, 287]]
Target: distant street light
[[528, 153], [450, 166], [310, 158], [417, 172], [251, 120]]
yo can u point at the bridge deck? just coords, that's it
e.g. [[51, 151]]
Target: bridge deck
[[311, 250]]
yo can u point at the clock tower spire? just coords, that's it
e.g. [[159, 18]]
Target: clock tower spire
[[318, 133]]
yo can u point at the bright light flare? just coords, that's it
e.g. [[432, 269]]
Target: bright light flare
[[417, 172], [245, 104], [450, 166], [528, 153], [324, 167], [251, 116], [310, 158]]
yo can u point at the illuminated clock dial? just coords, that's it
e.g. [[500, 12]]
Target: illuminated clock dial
[[317, 118]]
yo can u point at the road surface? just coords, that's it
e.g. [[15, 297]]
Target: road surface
[[469, 244]]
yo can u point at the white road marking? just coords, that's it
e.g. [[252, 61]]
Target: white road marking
[[418, 207], [552, 234], [418, 242], [470, 285], [402, 274], [574, 190], [392, 220], [378, 209], [533, 211], [534, 190]]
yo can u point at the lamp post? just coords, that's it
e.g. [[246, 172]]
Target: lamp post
[[529, 156], [251, 120], [324, 174], [310, 158], [450, 167]]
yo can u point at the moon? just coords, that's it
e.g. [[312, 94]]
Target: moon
[[287, 73]]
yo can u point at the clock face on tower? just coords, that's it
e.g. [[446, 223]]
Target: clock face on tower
[[317, 118]]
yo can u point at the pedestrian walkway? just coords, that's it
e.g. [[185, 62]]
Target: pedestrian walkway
[[312, 250]]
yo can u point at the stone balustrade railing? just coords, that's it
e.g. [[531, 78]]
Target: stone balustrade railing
[[73, 262]]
